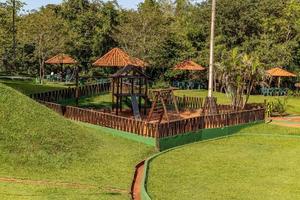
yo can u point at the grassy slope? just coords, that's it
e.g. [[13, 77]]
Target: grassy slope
[[28, 87], [37, 144], [248, 166], [293, 102]]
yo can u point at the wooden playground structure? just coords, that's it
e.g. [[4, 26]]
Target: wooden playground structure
[[155, 113], [131, 96], [130, 87]]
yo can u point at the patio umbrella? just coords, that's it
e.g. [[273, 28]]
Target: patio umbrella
[[118, 58], [279, 72], [62, 59], [189, 66]]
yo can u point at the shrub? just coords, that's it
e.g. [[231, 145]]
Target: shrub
[[277, 107]]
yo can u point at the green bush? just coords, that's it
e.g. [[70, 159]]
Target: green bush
[[160, 84], [277, 107]]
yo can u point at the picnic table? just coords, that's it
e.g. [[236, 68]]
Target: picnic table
[[188, 85]]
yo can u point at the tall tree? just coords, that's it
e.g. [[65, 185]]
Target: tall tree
[[90, 27], [9, 17], [143, 32], [46, 31]]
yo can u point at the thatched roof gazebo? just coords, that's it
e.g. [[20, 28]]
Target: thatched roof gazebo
[[118, 58], [64, 59], [61, 59], [279, 72], [189, 65]]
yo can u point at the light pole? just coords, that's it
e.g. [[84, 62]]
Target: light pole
[[210, 105], [211, 53]]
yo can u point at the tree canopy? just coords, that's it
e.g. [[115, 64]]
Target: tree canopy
[[161, 32]]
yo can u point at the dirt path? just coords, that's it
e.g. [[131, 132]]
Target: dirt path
[[291, 121], [59, 184], [138, 178]]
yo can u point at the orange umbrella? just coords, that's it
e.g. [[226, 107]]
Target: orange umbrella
[[189, 65], [279, 72], [61, 59], [118, 58], [66, 59]]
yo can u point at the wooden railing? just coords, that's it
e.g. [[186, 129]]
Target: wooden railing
[[70, 93], [211, 121], [105, 119], [156, 130], [189, 102]]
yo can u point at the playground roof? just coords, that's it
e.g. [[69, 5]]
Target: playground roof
[[189, 65], [130, 71], [118, 58], [279, 72], [61, 59]]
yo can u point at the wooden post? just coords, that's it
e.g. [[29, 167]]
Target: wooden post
[[77, 86], [175, 102], [118, 98], [113, 94], [121, 91], [140, 93], [146, 96]]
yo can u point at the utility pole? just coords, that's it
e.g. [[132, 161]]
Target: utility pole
[[14, 34], [210, 104], [212, 44]]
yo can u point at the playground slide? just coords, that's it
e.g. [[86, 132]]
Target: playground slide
[[135, 108]]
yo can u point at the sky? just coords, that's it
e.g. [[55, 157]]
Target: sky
[[34, 4]]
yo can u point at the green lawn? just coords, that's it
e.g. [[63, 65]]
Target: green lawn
[[104, 100], [100, 101], [262, 162], [29, 87], [37, 144], [293, 106]]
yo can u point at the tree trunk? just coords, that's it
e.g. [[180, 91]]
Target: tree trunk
[[42, 70]]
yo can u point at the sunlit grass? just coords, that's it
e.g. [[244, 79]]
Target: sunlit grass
[[260, 165]]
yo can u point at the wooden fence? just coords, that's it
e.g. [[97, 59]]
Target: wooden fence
[[189, 102], [210, 121], [156, 130], [70, 93], [105, 119]]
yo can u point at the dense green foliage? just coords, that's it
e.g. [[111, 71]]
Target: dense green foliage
[[260, 163], [161, 32], [37, 144]]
